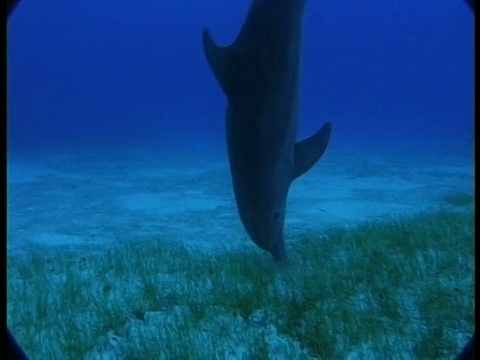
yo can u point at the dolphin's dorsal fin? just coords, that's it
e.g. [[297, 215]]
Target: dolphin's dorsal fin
[[310, 150], [222, 62]]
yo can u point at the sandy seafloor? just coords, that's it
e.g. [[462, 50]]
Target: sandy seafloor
[[91, 199], [96, 197]]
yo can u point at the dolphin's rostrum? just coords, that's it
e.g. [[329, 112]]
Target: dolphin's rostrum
[[259, 74]]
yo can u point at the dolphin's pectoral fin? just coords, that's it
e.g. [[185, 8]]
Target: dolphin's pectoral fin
[[310, 150], [222, 63]]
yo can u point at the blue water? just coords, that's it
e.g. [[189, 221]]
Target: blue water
[[89, 73]]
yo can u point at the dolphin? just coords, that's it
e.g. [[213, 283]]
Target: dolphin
[[259, 75]]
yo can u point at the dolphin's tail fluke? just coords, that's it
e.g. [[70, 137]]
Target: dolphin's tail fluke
[[310, 150]]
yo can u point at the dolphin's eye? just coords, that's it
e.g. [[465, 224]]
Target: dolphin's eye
[[276, 214]]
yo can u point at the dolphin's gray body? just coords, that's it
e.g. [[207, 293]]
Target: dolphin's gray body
[[259, 74]]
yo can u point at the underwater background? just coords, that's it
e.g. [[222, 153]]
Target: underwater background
[[123, 239], [384, 72]]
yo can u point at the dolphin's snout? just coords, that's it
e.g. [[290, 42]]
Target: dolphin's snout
[[266, 231]]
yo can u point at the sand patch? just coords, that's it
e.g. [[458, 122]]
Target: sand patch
[[170, 202]]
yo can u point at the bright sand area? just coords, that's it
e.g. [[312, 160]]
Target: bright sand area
[[186, 197]]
